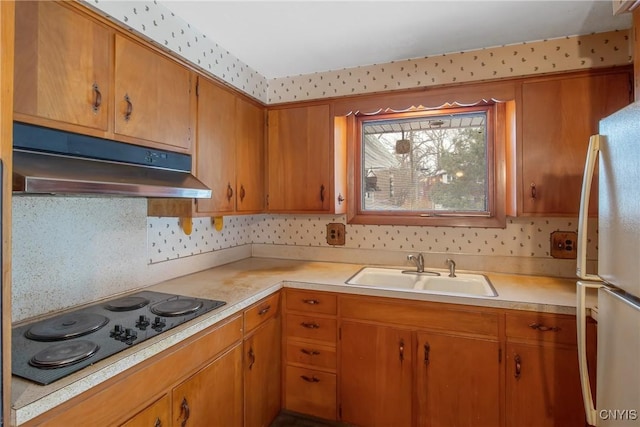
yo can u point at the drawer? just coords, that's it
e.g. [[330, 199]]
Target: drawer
[[421, 315], [541, 327], [311, 301], [261, 311], [310, 392], [314, 355], [311, 327]]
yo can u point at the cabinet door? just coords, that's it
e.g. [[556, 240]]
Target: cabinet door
[[158, 414], [216, 147], [558, 116], [458, 381], [299, 159], [250, 172], [152, 96], [213, 396], [262, 379], [543, 386], [60, 75], [375, 375]]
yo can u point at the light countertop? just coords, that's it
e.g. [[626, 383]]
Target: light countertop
[[243, 283]]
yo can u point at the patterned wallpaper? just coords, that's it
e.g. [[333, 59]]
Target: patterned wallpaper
[[167, 241], [523, 237], [553, 55], [158, 24]]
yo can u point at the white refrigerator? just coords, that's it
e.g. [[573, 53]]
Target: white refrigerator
[[616, 153]]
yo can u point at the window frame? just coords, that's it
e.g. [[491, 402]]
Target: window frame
[[496, 130]]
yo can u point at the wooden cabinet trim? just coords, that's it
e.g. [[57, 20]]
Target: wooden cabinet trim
[[421, 315]]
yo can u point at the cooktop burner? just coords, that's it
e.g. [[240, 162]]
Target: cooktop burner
[[66, 326], [53, 348], [63, 354]]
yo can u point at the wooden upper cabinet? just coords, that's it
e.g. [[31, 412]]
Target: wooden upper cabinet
[[216, 147], [250, 173], [558, 116], [300, 159], [153, 96], [229, 151], [62, 68]]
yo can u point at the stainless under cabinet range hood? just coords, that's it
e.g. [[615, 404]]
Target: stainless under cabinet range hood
[[49, 161]]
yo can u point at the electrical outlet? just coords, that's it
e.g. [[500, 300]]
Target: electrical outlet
[[335, 234], [564, 244]]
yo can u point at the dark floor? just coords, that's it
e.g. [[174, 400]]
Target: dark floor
[[288, 419]]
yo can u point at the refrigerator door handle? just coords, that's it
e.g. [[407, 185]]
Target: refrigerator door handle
[[581, 319], [583, 219]]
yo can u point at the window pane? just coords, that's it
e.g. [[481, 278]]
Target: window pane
[[435, 163]]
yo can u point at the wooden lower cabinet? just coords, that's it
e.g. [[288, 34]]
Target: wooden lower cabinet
[[213, 396], [376, 375], [457, 381], [262, 374], [309, 353], [542, 375], [157, 414]]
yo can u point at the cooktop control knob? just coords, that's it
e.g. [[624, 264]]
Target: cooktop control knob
[[116, 332], [129, 336], [142, 322], [158, 324]]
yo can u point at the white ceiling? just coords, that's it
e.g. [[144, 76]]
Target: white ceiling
[[287, 38]]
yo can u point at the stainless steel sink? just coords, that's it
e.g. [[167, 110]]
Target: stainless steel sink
[[463, 284]]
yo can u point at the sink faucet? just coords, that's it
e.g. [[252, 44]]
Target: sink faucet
[[418, 260], [452, 267]]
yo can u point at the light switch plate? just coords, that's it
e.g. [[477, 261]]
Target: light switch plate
[[564, 244], [335, 234]]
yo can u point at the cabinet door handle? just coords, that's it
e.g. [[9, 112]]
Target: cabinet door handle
[[97, 102], [252, 358], [229, 192], [127, 114], [310, 325], [518, 366], [311, 301], [340, 199], [158, 423], [427, 350], [310, 352], [264, 311], [312, 379], [242, 193], [322, 193], [401, 350], [542, 328], [534, 192], [184, 409]]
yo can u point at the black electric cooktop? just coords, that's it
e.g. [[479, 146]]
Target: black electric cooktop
[[53, 348]]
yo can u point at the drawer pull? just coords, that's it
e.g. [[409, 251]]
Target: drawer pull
[[264, 311], [543, 328], [313, 379], [252, 358], [427, 350], [401, 350], [311, 301], [158, 423], [518, 366], [310, 325], [310, 352]]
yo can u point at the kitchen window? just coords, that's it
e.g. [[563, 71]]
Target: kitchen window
[[430, 167]]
